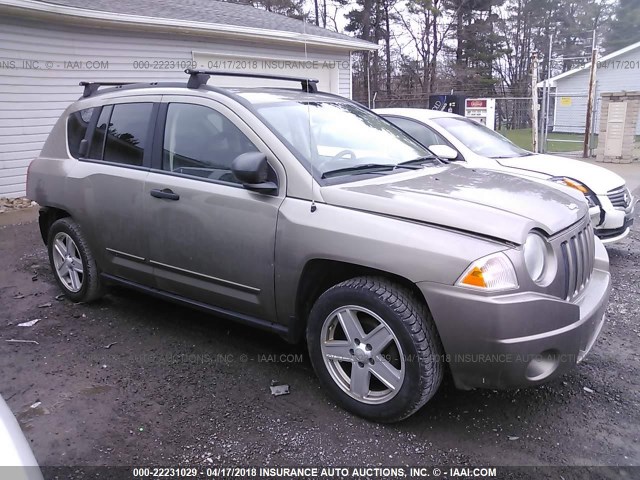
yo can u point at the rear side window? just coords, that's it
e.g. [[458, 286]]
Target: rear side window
[[77, 125]]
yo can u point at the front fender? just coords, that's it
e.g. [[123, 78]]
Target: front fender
[[411, 250]]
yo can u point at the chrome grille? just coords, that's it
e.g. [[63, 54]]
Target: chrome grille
[[619, 197], [578, 254]]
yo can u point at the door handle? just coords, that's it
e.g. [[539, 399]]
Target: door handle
[[165, 193]]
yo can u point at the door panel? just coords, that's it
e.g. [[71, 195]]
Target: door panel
[[215, 243], [109, 186]]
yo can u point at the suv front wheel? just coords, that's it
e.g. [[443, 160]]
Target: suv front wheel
[[375, 348], [72, 262]]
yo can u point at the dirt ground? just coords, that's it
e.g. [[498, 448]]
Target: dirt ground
[[131, 380]]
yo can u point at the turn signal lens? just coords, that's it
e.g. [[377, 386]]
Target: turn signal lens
[[475, 278], [571, 183], [494, 272]]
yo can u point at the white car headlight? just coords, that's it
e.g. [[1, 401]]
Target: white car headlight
[[535, 256], [589, 196], [492, 273]]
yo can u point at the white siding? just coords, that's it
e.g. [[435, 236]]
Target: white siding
[[32, 99], [610, 77]]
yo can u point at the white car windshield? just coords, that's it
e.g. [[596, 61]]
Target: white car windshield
[[480, 139], [340, 138]]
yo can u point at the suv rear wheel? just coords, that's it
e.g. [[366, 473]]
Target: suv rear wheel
[[374, 347], [72, 262]]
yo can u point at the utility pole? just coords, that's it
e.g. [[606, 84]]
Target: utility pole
[[534, 102], [545, 99], [592, 83]]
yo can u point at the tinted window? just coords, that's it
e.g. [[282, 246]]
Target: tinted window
[[127, 133], [97, 142], [202, 142], [77, 125], [422, 133]]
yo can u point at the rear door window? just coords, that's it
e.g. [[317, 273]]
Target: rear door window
[[127, 133], [99, 134]]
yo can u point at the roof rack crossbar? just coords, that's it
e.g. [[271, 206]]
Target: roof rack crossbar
[[197, 78], [92, 87]]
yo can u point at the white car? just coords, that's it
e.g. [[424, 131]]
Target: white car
[[611, 205], [16, 458]]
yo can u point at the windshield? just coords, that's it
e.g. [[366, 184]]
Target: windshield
[[340, 137], [480, 139]]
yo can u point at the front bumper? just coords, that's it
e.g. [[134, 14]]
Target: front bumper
[[615, 223], [517, 339]]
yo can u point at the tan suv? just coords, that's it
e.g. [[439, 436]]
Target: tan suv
[[308, 215]]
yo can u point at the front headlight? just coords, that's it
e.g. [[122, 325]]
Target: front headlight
[[581, 187], [492, 273], [535, 256]]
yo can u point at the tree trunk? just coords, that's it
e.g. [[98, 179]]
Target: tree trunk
[[434, 50], [315, 4], [387, 45]]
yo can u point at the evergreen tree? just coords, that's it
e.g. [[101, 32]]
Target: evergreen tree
[[625, 28]]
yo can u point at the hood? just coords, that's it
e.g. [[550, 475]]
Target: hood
[[598, 179], [495, 204]]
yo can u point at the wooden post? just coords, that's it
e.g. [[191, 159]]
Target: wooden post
[[534, 102], [592, 83]]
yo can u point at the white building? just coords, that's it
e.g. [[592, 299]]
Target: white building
[[47, 48], [619, 71]]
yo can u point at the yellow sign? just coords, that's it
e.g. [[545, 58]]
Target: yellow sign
[[565, 101]]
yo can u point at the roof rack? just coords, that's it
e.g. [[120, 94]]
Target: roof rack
[[92, 87], [197, 78]]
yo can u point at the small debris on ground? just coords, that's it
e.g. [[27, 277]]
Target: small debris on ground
[[60, 297], [7, 204], [30, 323], [18, 296], [511, 437], [110, 345], [587, 389], [14, 340], [45, 305], [36, 405], [277, 390]]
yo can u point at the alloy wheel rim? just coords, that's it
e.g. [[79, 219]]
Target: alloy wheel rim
[[68, 262], [362, 354]]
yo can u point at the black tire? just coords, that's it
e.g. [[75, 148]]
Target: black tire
[[409, 320], [91, 287]]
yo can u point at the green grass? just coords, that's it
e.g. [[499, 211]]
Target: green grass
[[522, 138]]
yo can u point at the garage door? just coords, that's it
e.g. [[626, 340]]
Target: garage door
[[325, 71]]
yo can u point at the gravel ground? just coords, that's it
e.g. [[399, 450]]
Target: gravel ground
[[131, 380]]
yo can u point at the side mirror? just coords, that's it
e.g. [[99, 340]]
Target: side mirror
[[252, 170], [83, 148], [444, 151]]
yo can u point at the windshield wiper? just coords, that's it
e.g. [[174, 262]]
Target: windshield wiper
[[364, 168], [380, 167], [419, 161]]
